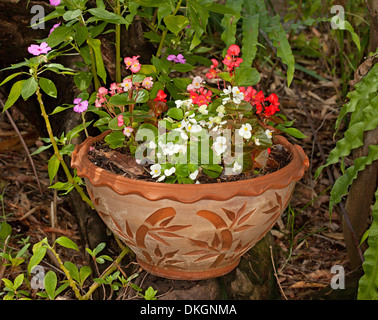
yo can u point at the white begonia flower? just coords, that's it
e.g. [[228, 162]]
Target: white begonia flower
[[225, 100], [221, 109], [268, 133], [155, 170], [152, 145], [203, 109], [245, 131], [194, 128], [161, 178], [238, 96], [257, 142], [227, 91], [220, 146], [197, 82], [236, 168], [169, 172], [193, 175], [179, 103]]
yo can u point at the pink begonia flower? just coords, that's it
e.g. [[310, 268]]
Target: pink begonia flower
[[130, 61], [102, 91], [126, 84], [120, 120], [178, 59], [127, 131], [80, 105], [55, 2], [98, 104], [36, 50], [135, 67], [113, 88], [147, 83], [54, 27]]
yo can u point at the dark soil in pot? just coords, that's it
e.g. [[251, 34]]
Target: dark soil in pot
[[121, 162]]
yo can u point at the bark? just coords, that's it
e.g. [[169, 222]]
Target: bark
[[361, 193], [358, 204]]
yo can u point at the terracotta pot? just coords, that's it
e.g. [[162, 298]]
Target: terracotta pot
[[189, 231]]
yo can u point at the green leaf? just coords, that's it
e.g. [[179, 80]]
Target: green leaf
[[67, 243], [175, 113], [230, 20], [280, 42], [60, 109], [29, 87], [13, 75], [222, 9], [73, 270], [212, 170], [85, 272], [364, 118], [72, 14], [291, 131], [83, 80], [250, 29], [176, 23], [121, 99], [59, 35], [246, 76], [368, 284], [101, 246], [36, 257], [115, 139], [142, 96], [48, 87], [107, 16], [369, 84], [150, 294], [50, 281], [5, 230], [183, 67], [53, 167], [41, 149], [341, 185], [95, 44], [73, 133], [18, 281]]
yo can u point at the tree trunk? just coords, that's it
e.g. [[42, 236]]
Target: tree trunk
[[362, 190], [359, 199]]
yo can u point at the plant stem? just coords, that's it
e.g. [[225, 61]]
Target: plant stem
[[57, 152], [158, 53], [67, 273], [118, 44], [85, 127], [93, 69], [108, 272]]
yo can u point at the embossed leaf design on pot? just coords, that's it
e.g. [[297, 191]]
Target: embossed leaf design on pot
[[157, 226]]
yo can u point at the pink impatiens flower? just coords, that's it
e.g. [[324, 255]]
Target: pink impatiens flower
[[36, 50], [178, 59], [54, 27], [55, 2], [79, 105]]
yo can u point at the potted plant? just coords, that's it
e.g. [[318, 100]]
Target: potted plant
[[188, 184], [189, 173]]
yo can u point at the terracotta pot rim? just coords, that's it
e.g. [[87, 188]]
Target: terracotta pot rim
[[189, 193]]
